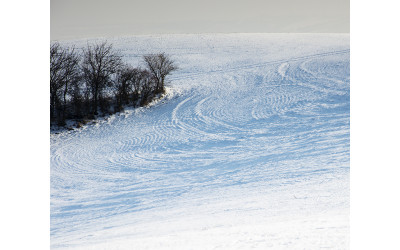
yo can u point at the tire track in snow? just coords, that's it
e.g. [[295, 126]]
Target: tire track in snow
[[184, 117], [263, 124], [257, 65]]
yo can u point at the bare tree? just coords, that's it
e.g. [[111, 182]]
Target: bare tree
[[148, 87], [159, 65], [100, 64], [133, 85], [80, 84], [125, 84], [57, 58], [141, 80], [79, 99], [64, 70]]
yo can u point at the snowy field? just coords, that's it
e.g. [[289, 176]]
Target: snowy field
[[249, 149]]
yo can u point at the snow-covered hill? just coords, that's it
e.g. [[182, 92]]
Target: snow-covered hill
[[249, 149]]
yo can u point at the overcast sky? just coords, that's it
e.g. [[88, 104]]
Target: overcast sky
[[91, 18]]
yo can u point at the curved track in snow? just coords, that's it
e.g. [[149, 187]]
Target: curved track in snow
[[261, 137]]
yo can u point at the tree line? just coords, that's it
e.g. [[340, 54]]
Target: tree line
[[95, 81]]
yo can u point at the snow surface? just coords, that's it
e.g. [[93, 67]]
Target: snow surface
[[249, 149]]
